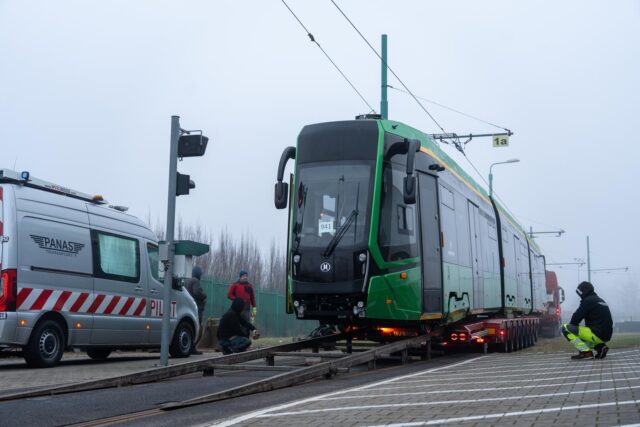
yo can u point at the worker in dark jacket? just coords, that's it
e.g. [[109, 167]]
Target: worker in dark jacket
[[234, 330], [200, 297], [598, 325]]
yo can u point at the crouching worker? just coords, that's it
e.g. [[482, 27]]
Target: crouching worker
[[234, 330], [598, 325]]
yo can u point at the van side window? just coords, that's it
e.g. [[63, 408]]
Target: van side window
[[152, 252], [115, 257]]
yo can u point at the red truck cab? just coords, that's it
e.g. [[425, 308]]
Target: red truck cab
[[552, 318]]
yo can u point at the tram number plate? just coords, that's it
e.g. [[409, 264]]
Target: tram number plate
[[325, 227], [500, 140]]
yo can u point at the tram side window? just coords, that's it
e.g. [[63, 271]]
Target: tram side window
[[448, 221], [397, 231]]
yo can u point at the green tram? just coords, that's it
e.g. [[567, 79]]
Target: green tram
[[386, 230]]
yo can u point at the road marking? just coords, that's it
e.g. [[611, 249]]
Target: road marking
[[493, 375], [510, 414], [444, 402], [257, 413], [416, 393], [474, 380]]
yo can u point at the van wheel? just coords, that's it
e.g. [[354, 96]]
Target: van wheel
[[45, 346], [182, 341], [98, 353]]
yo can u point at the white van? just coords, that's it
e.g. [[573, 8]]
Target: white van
[[77, 273]]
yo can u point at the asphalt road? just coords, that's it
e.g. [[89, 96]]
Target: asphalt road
[[86, 406]]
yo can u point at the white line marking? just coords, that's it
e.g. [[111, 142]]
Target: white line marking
[[511, 414], [474, 380], [493, 375], [248, 416], [416, 393], [445, 402]]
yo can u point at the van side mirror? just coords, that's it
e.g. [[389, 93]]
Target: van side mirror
[[561, 295], [281, 194]]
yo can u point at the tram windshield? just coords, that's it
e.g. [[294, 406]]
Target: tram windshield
[[332, 205]]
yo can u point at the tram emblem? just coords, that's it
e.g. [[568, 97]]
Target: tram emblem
[[325, 267]]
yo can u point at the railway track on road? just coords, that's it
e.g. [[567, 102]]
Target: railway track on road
[[328, 364]]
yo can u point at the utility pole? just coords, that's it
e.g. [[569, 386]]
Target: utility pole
[[588, 261], [171, 224], [384, 104]]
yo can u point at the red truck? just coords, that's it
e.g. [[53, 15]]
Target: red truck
[[551, 320]]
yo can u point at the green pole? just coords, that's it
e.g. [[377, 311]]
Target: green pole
[[384, 104]]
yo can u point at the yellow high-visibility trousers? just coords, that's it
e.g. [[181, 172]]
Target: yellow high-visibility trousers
[[581, 337]]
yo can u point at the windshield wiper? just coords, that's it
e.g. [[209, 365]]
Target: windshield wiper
[[340, 234]]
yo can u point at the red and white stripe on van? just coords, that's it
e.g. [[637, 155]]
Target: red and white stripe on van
[[33, 299]]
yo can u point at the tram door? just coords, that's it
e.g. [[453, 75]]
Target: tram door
[[474, 231], [430, 230]]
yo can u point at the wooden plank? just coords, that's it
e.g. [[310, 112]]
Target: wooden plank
[[301, 375]]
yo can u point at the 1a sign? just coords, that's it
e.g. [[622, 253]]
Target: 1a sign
[[500, 140]]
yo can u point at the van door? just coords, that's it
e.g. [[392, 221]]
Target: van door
[[119, 305]]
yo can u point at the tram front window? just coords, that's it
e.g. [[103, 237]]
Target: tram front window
[[332, 205]]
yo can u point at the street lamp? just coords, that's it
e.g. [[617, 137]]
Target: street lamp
[[491, 175]]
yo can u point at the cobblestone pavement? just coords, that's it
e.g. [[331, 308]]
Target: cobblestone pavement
[[77, 367], [532, 389]]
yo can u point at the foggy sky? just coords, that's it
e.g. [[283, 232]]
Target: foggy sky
[[87, 89]]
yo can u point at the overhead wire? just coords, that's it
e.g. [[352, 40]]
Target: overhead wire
[[450, 109], [388, 67], [408, 91], [313, 40]]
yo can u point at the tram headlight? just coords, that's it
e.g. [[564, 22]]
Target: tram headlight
[[296, 303], [360, 304], [356, 310], [362, 257], [296, 258]]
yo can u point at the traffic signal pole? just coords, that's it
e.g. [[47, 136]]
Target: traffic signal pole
[[171, 220]]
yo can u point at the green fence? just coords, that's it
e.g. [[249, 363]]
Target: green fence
[[272, 319]]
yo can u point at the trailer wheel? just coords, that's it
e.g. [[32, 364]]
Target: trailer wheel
[[182, 341], [98, 353], [45, 346]]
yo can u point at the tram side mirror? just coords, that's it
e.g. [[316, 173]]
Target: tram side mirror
[[281, 193], [409, 192], [282, 188], [409, 187]]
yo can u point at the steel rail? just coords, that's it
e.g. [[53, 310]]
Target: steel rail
[[166, 372]]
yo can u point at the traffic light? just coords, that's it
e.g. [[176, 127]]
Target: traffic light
[[190, 145], [183, 184]]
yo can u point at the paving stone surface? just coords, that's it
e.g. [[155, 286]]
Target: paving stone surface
[[533, 389]]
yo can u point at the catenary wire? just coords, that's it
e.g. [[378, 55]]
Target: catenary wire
[[312, 38], [388, 67], [420, 104], [450, 109]]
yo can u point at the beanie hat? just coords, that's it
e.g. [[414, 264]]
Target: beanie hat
[[584, 289], [196, 272], [243, 273]]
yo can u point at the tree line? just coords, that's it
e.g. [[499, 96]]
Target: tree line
[[228, 254]]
